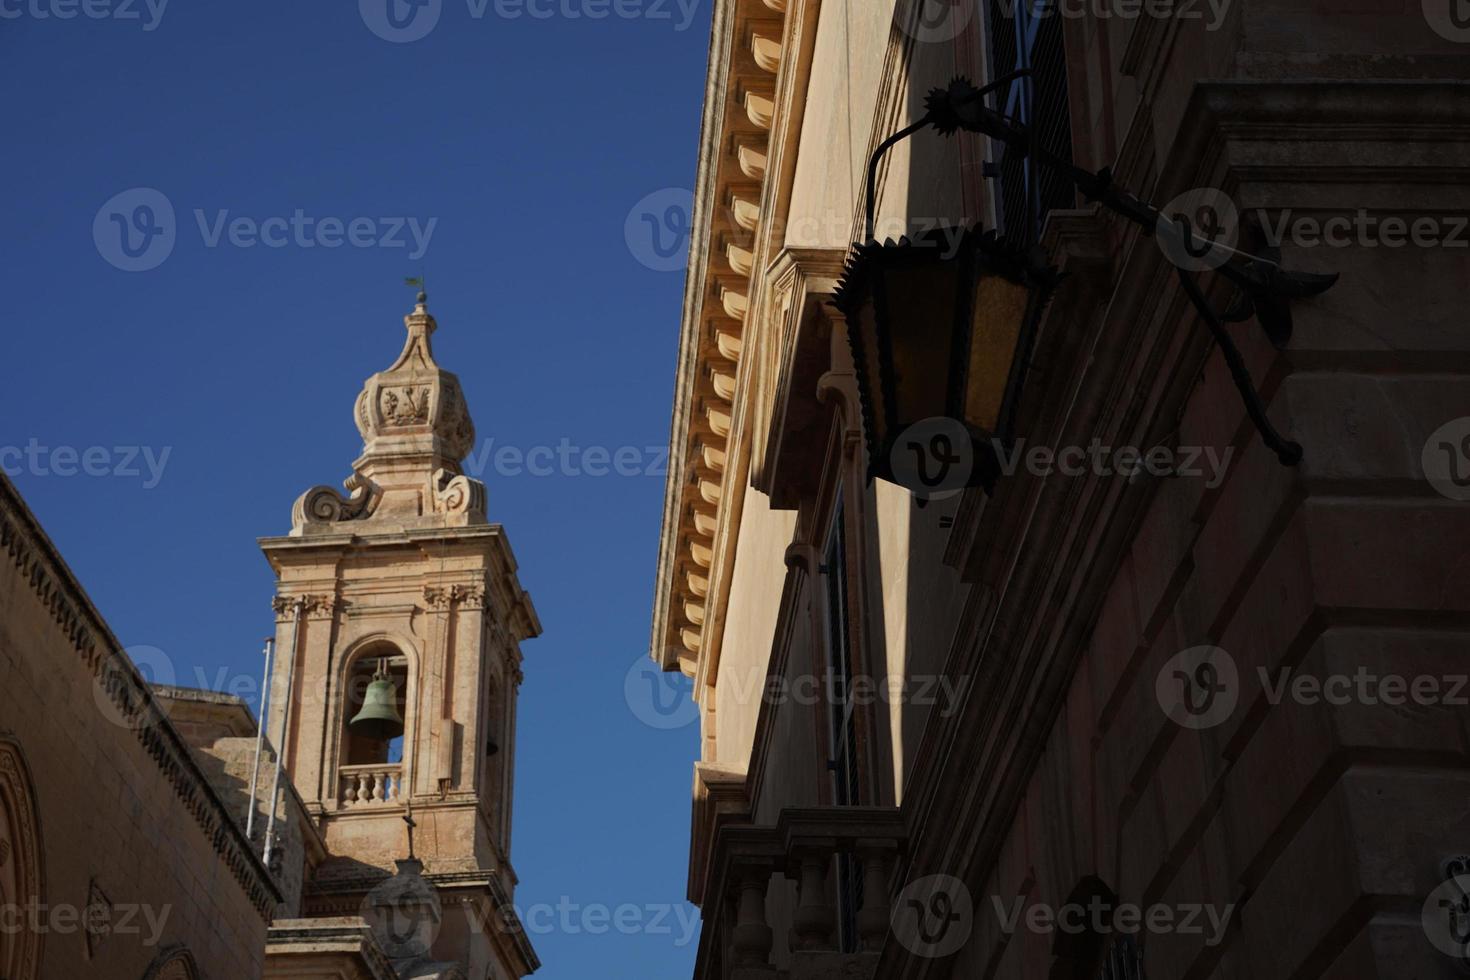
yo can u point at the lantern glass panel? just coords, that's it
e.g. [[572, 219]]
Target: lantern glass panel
[[922, 299], [998, 315]]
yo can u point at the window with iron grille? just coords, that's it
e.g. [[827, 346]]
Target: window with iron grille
[[1028, 34], [842, 720], [1123, 960]]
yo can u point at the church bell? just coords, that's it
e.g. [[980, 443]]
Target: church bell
[[379, 718]]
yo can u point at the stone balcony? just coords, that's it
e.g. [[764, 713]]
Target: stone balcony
[[749, 864]]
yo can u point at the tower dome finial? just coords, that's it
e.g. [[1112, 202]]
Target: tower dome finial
[[416, 431]]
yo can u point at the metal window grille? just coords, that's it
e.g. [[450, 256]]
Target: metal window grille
[[1028, 34], [842, 722], [1124, 960]]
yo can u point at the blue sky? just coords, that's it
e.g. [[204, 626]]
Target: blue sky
[[536, 156]]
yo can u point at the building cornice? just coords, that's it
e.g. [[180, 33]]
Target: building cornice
[[519, 610], [28, 547], [296, 944], [755, 92]]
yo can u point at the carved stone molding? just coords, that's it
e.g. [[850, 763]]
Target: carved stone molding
[[326, 505], [313, 606], [468, 596], [284, 607], [440, 598], [96, 918], [174, 963], [21, 836], [457, 494], [323, 606]]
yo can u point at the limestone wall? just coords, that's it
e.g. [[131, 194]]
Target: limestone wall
[[127, 824]]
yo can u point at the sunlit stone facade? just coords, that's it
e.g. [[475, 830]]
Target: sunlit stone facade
[[1013, 739], [128, 849]]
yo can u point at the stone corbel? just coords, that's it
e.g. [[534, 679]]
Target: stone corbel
[[839, 389]]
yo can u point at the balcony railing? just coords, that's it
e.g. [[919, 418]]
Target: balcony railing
[[366, 786], [803, 846]]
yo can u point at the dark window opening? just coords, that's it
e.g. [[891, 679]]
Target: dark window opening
[[842, 723], [1028, 34]]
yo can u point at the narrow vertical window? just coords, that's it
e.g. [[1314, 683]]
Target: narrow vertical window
[[1123, 960], [1028, 34], [842, 721], [839, 668]]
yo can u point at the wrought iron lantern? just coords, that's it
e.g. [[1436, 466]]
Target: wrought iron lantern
[[941, 328]]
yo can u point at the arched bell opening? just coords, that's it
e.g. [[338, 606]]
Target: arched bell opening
[[372, 767], [377, 698]]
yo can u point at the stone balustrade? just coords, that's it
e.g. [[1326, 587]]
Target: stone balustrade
[[379, 784], [813, 848]]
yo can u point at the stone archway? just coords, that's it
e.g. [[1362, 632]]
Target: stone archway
[[174, 963], [21, 879]]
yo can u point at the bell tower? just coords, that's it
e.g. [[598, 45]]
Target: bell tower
[[399, 619]]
